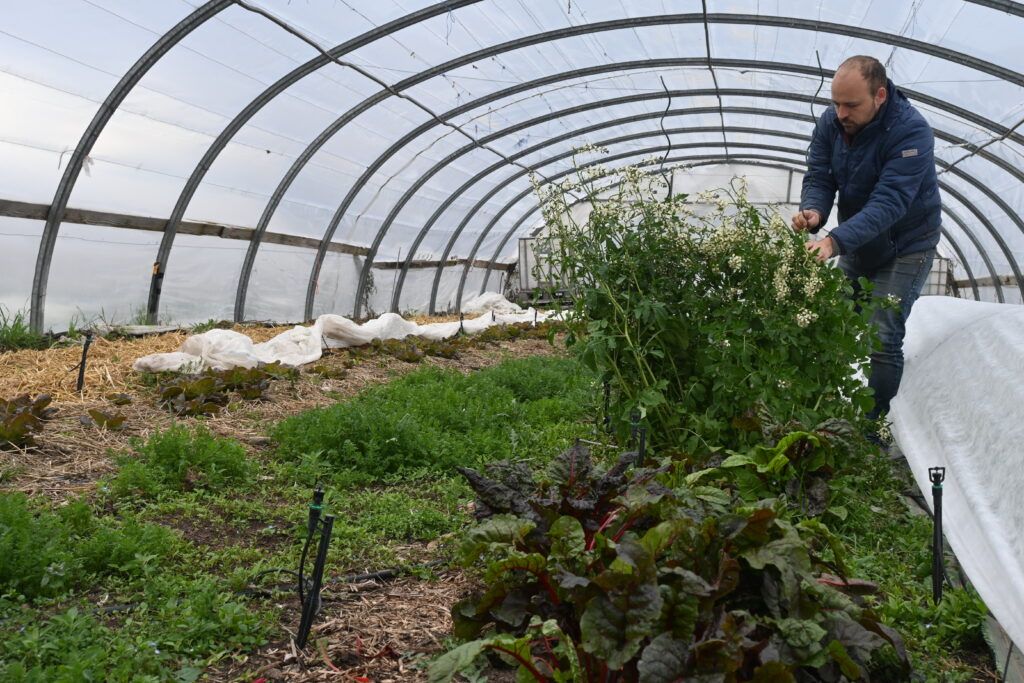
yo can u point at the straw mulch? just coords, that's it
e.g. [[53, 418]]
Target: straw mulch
[[109, 365], [107, 370], [71, 455]]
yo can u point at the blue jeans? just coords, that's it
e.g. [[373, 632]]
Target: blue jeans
[[903, 278]]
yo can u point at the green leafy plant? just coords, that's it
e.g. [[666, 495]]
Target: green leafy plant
[[328, 372], [434, 419], [104, 420], [46, 553], [209, 391], [180, 459], [694, 309], [119, 399], [194, 395], [793, 461], [606, 575], [21, 418]]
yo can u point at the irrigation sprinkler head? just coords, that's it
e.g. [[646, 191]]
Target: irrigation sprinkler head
[[936, 475], [315, 508]]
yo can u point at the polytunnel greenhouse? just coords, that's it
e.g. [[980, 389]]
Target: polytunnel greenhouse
[[479, 340]]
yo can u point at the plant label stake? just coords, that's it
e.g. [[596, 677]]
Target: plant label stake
[[937, 475], [311, 601], [81, 366]]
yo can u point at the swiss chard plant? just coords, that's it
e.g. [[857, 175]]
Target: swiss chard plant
[[21, 418], [696, 308], [606, 575], [793, 460]]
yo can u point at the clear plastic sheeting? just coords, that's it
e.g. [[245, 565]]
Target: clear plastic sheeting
[[242, 121], [961, 406]]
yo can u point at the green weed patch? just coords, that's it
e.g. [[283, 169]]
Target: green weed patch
[[180, 459], [15, 332], [434, 419], [46, 553]]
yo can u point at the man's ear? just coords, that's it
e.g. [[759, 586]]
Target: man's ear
[[881, 96]]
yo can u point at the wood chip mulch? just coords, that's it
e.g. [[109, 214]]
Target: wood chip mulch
[[373, 631]]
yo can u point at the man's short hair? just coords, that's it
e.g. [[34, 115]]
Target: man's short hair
[[872, 70]]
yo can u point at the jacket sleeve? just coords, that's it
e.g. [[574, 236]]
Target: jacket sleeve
[[908, 160], [819, 187]]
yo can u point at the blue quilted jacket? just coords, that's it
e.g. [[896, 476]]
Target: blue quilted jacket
[[885, 177]]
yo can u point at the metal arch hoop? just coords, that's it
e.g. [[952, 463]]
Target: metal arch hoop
[[57, 207], [566, 112], [99, 121], [938, 104], [494, 191], [943, 185], [250, 110], [633, 22], [949, 238]]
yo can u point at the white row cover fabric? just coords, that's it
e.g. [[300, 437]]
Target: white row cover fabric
[[224, 349], [961, 406]]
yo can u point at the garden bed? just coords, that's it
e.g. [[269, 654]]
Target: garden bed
[[234, 521]]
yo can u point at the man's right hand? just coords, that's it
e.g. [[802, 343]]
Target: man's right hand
[[805, 220]]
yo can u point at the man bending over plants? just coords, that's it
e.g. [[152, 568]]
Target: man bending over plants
[[876, 150]]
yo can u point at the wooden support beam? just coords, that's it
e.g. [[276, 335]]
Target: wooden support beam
[[15, 209]]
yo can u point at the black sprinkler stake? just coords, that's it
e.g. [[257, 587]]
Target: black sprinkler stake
[[937, 475], [81, 366]]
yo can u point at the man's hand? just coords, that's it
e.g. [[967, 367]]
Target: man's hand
[[821, 249], [808, 219]]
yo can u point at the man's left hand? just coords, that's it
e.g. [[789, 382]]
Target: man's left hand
[[822, 249]]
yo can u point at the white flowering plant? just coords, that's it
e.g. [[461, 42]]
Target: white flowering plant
[[696, 309]]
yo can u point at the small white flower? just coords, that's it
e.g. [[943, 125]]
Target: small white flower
[[736, 262], [805, 317], [892, 299], [813, 285]]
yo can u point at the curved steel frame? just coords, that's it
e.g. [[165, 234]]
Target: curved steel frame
[[250, 110], [211, 8], [606, 103], [981, 65], [778, 166], [415, 186], [746, 159], [99, 120], [945, 186], [462, 225]]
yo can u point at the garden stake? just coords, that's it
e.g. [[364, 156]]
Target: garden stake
[[937, 475], [81, 366], [493, 317], [535, 317], [462, 319]]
